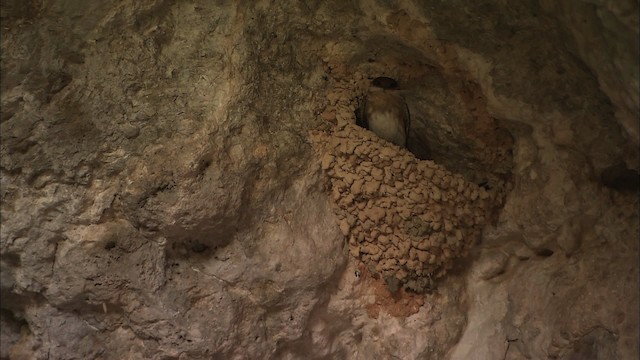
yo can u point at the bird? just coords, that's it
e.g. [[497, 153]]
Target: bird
[[385, 112]]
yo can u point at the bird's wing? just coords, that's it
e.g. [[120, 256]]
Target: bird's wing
[[361, 119], [407, 123]]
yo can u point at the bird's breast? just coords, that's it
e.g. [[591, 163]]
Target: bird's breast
[[386, 116]]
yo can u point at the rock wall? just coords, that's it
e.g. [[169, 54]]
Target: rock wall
[[163, 192]]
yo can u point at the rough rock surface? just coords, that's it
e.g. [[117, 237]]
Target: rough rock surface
[[161, 197]]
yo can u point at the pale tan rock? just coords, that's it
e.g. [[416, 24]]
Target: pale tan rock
[[387, 152], [423, 256], [423, 245], [404, 211], [371, 187], [335, 194], [448, 225], [435, 194], [356, 187], [375, 214], [484, 194], [327, 161], [391, 190], [377, 174], [401, 274], [344, 227], [416, 197]]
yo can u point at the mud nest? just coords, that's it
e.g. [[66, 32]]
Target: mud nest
[[408, 220]]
